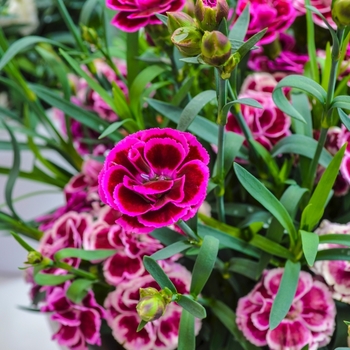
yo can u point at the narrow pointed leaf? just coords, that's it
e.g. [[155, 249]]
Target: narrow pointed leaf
[[240, 27], [187, 338], [194, 107], [193, 307], [88, 255], [310, 242], [77, 291], [170, 250], [43, 279], [285, 294]]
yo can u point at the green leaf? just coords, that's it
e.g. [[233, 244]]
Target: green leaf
[[240, 27], [250, 43], [87, 11], [258, 191], [187, 338], [344, 118], [113, 127], [158, 274], [163, 18], [229, 241], [299, 82], [228, 319], [201, 127], [204, 264], [303, 145], [301, 103], [167, 236], [194, 107], [314, 211], [285, 294], [341, 102], [78, 290], [259, 216], [193, 307], [24, 44], [334, 238], [333, 254], [170, 250], [88, 255], [22, 242], [14, 172], [85, 117], [245, 267], [141, 325], [232, 145], [183, 91], [43, 279], [310, 243]]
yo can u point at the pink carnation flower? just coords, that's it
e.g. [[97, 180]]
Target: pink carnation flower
[[276, 15], [269, 124], [134, 15], [122, 317], [154, 178], [289, 60], [310, 319], [79, 324], [336, 273]]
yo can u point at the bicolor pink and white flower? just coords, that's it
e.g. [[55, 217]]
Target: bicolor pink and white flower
[[79, 324], [310, 320], [336, 273], [135, 14], [269, 124], [154, 178], [276, 15], [161, 334]]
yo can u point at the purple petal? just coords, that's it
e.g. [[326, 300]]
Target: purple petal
[[90, 326]]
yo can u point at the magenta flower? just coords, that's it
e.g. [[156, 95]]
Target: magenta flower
[[276, 15], [336, 273], [269, 124], [289, 60], [154, 178], [79, 324], [310, 319], [122, 316], [136, 14]]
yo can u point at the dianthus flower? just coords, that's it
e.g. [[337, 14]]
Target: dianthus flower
[[134, 15], [276, 15], [310, 319], [154, 178], [269, 124], [122, 317], [336, 273]]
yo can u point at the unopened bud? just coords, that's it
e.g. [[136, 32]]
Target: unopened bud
[[230, 65], [179, 19], [152, 305], [187, 40], [34, 258], [341, 13], [216, 48], [89, 35], [210, 13]]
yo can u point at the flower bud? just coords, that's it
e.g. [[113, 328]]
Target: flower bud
[[210, 13], [230, 65], [216, 48], [188, 41], [34, 258], [179, 19], [341, 13], [89, 35], [151, 305]]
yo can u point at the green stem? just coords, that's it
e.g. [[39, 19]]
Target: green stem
[[221, 90], [77, 272], [189, 232], [132, 52]]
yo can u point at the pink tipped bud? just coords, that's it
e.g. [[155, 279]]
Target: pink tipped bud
[[179, 19], [216, 48], [210, 13], [188, 41]]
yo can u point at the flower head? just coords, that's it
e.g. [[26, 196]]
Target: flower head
[[210, 13], [136, 14], [155, 177], [310, 319]]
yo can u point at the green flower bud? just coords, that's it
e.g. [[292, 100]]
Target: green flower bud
[[188, 41], [210, 13], [230, 65], [341, 13], [89, 35], [179, 19], [34, 258], [216, 48], [151, 305]]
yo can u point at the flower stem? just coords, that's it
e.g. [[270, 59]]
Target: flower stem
[[221, 90], [132, 52]]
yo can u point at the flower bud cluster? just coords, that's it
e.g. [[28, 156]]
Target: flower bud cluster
[[200, 36]]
